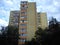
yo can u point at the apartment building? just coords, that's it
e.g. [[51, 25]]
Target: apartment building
[[13, 20], [28, 21], [27, 24], [42, 20]]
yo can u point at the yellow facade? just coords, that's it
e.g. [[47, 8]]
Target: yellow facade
[[28, 20], [28, 14], [31, 20], [43, 20]]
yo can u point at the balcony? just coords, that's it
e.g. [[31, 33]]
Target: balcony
[[23, 22], [21, 43], [23, 26], [24, 32], [23, 14], [23, 10], [24, 4], [23, 19], [23, 37]]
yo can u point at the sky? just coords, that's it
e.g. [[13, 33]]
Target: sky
[[51, 7]]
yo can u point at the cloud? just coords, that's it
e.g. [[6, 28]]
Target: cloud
[[24, 0], [52, 7], [9, 2], [3, 23], [4, 14], [5, 7]]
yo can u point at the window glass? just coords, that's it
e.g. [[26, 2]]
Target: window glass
[[23, 24], [23, 30], [22, 40], [22, 21], [23, 34], [16, 15], [15, 21], [24, 13], [23, 8], [23, 16], [23, 2]]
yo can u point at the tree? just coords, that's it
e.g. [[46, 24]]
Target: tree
[[53, 24], [40, 35], [49, 36], [53, 36], [9, 36], [32, 42], [3, 36], [12, 35]]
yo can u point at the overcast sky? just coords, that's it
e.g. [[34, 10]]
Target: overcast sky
[[51, 7]]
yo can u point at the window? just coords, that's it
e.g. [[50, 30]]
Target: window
[[23, 24], [22, 8], [22, 21], [15, 21], [25, 6], [23, 16], [22, 40], [23, 2], [24, 13], [39, 16], [25, 21], [38, 20], [16, 15], [23, 30], [23, 34]]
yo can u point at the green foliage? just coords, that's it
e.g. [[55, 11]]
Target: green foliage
[[11, 37], [48, 36], [32, 42], [40, 34]]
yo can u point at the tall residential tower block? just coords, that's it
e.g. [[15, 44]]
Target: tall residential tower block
[[28, 20], [27, 24], [14, 16]]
